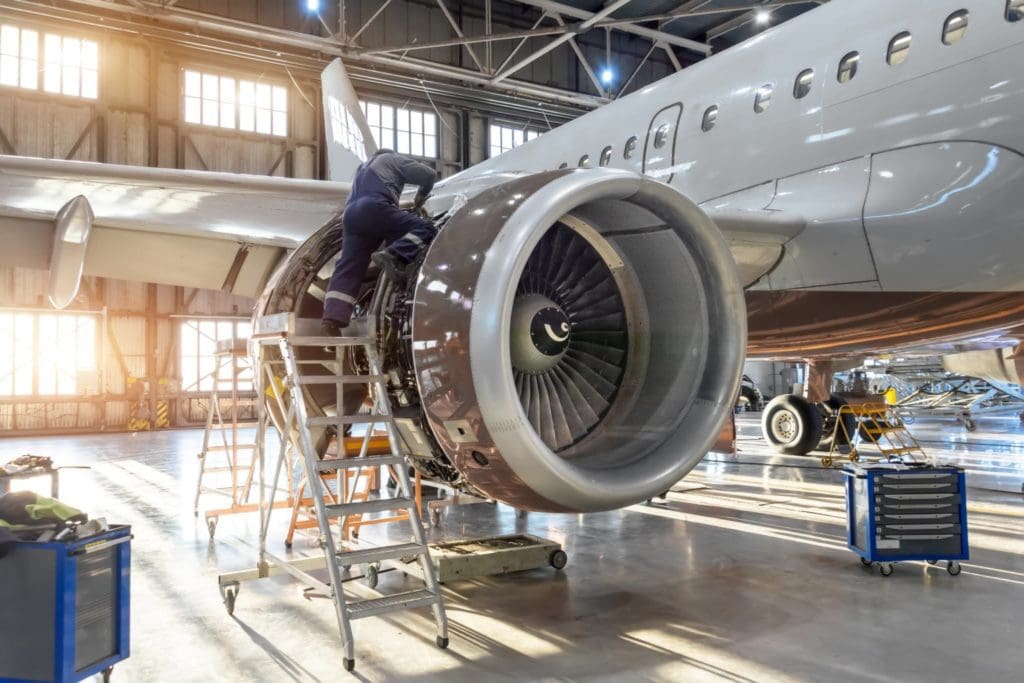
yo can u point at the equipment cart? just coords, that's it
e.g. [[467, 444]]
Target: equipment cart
[[904, 512], [65, 608]]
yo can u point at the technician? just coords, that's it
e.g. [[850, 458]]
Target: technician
[[372, 218]]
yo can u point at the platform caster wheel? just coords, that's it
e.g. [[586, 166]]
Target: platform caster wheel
[[211, 526], [370, 575], [970, 425], [520, 514], [442, 642], [953, 567], [288, 544], [866, 562], [107, 673], [435, 517], [886, 568], [350, 664], [932, 562], [558, 559]]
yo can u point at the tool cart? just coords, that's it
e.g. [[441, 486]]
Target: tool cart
[[900, 512]]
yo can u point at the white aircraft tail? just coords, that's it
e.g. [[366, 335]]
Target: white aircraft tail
[[349, 140]]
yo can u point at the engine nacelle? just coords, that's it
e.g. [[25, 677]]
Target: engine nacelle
[[574, 339]]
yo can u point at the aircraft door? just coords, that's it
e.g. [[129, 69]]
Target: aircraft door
[[660, 147]]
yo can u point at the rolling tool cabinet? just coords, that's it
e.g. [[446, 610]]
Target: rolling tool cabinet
[[64, 608], [899, 513]]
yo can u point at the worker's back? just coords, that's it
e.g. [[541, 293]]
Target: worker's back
[[383, 176]]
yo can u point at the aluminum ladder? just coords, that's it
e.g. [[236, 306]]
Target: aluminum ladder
[[338, 559]]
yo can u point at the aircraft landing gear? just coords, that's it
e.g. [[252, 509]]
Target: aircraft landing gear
[[792, 425]]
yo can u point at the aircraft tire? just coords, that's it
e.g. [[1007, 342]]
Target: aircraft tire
[[791, 425]]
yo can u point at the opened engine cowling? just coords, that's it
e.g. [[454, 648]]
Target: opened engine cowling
[[573, 340], [578, 339]]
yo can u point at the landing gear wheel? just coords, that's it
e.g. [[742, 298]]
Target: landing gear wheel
[[350, 664], [558, 559], [107, 673], [866, 562], [229, 593], [834, 435], [886, 568], [970, 425], [211, 526], [791, 425], [953, 567], [370, 575], [932, 562], [442, 642]]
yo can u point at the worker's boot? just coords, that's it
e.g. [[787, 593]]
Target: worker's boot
[[393, 269], [332, 328]]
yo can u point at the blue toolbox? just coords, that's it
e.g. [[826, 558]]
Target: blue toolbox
[[64, 607], [906, 512]]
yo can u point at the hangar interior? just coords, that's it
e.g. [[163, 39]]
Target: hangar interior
[[741, 571]]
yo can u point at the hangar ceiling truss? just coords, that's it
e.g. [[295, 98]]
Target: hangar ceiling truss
[[671, 31]]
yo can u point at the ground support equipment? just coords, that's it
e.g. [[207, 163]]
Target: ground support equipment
[[278, 339], [871, 424]]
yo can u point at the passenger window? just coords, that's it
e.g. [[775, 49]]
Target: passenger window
[[763, 98], [606, 156], [848, 67], [630, 147], [661, 136], [802, 86], [710, 118], [955, 27], [585, 161], [899, 48], [1014, 10]]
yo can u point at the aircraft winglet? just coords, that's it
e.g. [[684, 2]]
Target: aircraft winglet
[[349, 140]]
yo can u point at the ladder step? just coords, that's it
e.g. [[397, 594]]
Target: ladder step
[[358, 609], [377, 554], [342, 379], [331, 341], [353, 463], [331, 421], [367, 506]]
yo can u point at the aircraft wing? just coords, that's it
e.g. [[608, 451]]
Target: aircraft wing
[[756, 237], [190, 228]]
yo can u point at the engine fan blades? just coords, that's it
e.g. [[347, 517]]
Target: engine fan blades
[[567, 398]]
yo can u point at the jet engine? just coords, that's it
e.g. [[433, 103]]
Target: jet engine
[[571, 341]]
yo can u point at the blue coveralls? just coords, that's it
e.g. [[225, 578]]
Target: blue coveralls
[[372, 217]]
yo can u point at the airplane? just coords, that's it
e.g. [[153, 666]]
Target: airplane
[[840, 185]]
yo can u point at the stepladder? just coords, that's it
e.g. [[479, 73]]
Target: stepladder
[[295, 365]]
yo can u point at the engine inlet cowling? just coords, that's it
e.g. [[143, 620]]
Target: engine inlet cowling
[[578, 339]]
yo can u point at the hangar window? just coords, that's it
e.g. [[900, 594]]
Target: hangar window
[[225, 102], [19, 57], [848, 67], [407, 131], [627, 151], [710, 118], [1014, 10], [502, 138], [584, 161], [47, 354], [606, 156], [763, 98], [899, 49], [661, 135], [70, 66], [955, 27], [802, 85], [198, 359]]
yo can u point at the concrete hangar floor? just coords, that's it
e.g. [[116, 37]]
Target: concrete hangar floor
[[741, 575]]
